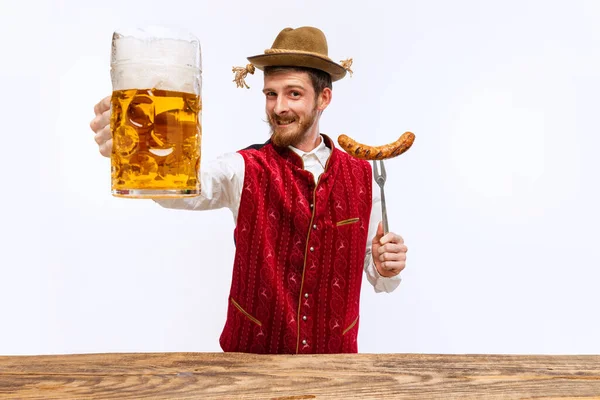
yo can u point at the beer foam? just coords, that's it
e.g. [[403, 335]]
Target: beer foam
[[156, 58]]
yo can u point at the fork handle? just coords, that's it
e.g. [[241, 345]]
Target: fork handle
[[384, 212]]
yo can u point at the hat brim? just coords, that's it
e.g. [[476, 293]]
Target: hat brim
[[336, 71]]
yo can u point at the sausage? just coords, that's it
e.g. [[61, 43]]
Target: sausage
[[365, 152]]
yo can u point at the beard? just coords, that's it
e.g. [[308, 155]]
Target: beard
[[284, 136]]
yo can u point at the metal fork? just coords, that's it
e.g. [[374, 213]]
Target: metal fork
[[380, 179]]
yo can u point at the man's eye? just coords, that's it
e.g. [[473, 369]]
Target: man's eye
[[295, 94], [270, 94]]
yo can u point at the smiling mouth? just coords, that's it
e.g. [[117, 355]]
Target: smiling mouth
[[285, 123]]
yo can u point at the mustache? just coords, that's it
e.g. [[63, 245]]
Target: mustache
[[274, 118]]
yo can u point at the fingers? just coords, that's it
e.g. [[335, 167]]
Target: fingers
[[103, 135], [102, 106], [394, 267], [101, 121], [106, 148], [393, 248], [392, 257], [378, 234], [101, 126], [391, 238]]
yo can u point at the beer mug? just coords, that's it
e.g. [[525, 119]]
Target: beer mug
[[156, 114]]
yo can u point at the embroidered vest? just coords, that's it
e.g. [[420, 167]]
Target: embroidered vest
[[300, 251]]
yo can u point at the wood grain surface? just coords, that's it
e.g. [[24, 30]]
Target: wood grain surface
[[248, 376]]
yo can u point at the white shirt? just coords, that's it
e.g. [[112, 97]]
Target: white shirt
[[222, 181]]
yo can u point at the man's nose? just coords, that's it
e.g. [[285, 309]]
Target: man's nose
[[281, 105]]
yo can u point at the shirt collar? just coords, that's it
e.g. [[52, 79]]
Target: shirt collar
[[322, 152]]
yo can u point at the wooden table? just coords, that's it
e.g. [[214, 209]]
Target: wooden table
[[356, 376]]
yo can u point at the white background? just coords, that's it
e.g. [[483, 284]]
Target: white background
[[497, 200]]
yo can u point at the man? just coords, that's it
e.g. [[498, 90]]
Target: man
[[304, 211]]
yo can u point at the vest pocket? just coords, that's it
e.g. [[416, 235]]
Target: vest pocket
[[240, 309], [347, 221], [350, 326]]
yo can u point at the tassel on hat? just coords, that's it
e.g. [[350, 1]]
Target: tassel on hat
[[240, 75], [347, 63]]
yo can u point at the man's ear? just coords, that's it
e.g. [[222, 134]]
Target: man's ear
[[324, 99]]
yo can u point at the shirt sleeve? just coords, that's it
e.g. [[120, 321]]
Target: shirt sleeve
[[221, 183], [380, 283]]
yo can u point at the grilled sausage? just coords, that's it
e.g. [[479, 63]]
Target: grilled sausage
[[365, 152]]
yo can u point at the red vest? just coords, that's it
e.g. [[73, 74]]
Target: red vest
[[300, 251]]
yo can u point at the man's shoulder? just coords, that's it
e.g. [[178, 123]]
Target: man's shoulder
[[256, 146], [256, 154]]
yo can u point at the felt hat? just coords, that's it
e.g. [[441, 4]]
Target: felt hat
[[301, 47]]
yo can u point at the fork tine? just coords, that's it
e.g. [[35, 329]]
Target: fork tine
[[380, 179], [383, 169]]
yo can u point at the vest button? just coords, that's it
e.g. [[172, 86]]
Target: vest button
[[311, 205], [304, 342], [306, 295], [315, 226], [304, 318], [312, 249]]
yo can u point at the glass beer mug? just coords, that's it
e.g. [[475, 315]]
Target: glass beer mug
[[156, 114]]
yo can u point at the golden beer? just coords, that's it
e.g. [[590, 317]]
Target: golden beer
[[156, 142], [156, 113]]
